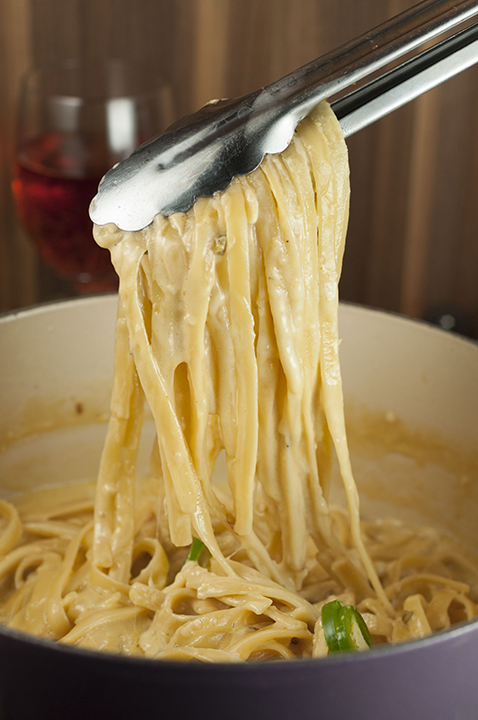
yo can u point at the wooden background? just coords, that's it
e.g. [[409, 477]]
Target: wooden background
[[413, 238]]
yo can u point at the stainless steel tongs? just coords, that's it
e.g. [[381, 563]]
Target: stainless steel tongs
[[200, 154]]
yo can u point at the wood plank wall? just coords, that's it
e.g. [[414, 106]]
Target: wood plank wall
[[413, 237]]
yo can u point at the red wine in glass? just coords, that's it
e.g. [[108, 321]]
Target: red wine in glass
[[57, 175], [75, 120]]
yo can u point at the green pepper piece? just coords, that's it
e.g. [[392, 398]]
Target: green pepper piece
[[196, 550], [330, 617], [356, 631], [344, 627], [199, 553]]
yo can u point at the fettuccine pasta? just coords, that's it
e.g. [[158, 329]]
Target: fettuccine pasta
[[227, 330]]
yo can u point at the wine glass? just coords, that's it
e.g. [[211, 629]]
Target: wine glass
[[76, 120]]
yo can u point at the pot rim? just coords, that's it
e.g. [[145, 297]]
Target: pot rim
[[38, 309], [447, 636]]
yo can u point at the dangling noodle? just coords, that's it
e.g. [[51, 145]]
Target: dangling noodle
[[227, 329]]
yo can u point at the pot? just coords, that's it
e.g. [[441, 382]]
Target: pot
[[56, 368]]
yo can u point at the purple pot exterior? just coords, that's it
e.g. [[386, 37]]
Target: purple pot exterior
[[431, 679]]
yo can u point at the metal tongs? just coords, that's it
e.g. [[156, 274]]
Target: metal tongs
[[200, 154]]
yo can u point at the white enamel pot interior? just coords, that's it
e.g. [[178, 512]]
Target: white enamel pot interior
[[412, 404]]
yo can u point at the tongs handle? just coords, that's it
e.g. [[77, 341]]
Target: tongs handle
[[341, 68], [396, 88]]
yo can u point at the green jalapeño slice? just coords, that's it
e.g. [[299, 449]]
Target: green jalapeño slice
[[344, 628], [199, 553]]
